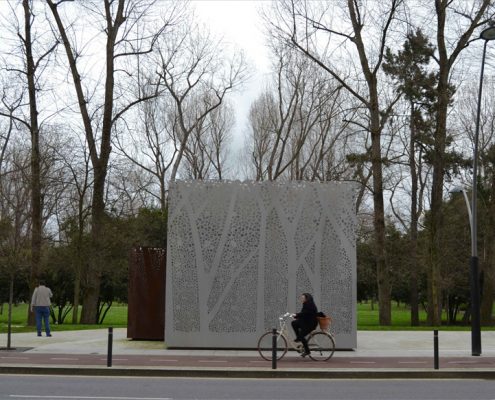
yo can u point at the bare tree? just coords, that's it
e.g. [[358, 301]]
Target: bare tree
[[260, 120], [6, 250], [465, 113], [450, 43], [197, 77], [29, 69], [9, 107], [303, 25], [71, 202], [183, 130], [150, 145], [130, 189], [14, 216], [204, 155], [295, 127], [122, 40], [221, 122]]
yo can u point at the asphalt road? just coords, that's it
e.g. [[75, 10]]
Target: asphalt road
[[28, 387]]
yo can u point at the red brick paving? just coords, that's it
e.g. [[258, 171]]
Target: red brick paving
[[161, 361]]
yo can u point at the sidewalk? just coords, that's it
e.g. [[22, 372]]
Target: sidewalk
[[390, 354]]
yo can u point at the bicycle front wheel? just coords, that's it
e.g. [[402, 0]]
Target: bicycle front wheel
[[265, 346], [321, 345]]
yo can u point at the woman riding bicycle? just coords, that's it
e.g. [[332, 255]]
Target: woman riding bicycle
[[305, 321]]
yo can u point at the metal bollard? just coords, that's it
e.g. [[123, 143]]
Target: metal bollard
[[274, 348], [110, 342], [435, 348]]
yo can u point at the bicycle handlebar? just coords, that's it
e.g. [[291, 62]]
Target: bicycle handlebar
[[286, 315]]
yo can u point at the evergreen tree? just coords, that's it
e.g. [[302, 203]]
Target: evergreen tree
[[409, 69]]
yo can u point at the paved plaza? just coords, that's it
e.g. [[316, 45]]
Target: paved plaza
[[390, 353]]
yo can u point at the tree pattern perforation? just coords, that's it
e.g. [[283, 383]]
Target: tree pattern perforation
[[240, 253]]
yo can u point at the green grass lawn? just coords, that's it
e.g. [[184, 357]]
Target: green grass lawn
[[116, 317], [367, 317]]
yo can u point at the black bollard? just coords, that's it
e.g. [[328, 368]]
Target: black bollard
[[274, 348], [435, 348], [110, 342]]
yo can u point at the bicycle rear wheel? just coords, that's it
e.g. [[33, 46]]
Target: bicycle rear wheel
[[265, 346], [321, 345]]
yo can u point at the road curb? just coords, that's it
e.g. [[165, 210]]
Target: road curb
[[252, 373]]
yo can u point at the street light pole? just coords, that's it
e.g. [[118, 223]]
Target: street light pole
[[487, 35], [468, 204], [474, 281]]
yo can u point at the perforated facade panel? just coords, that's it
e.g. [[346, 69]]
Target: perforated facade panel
[[240, 253]]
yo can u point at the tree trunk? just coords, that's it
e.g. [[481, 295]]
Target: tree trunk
[[414, 300], [488, 288], [36, 207], [94, 266], [79, 262], [163, 194], [89, 313], [77, 290], [435, 242], [9, 320], [382, 272]]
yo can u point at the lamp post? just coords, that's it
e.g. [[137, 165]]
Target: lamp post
[[468, 205], [487, 35], [473, 279]]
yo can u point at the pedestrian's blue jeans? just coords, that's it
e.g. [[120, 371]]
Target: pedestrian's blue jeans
[[42, 313]]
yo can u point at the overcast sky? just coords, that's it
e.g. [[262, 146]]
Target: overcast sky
[[240, 25], [238, 21]]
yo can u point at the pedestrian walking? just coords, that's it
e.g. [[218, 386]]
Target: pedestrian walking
[[40, 304]]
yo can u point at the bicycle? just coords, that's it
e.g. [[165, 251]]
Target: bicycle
[[320, 342]]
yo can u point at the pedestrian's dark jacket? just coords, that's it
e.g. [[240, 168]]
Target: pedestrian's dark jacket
[[307, 315]]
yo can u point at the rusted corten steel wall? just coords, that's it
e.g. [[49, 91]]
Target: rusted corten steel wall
[[146, 308]]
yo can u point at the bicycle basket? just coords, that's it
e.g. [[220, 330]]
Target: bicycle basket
[[324, 322]]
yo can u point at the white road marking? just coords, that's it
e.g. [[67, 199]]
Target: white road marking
[[462, 362], [164, 360], [17, 358], [212, 361], [363, 362], [21, 396], [63, 358], [413, 362], [115, 359]]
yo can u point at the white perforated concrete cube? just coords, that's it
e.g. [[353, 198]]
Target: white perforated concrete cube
[[239, 254]]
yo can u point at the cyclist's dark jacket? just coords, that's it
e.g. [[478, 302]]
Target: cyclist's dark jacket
[[307, 316]]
